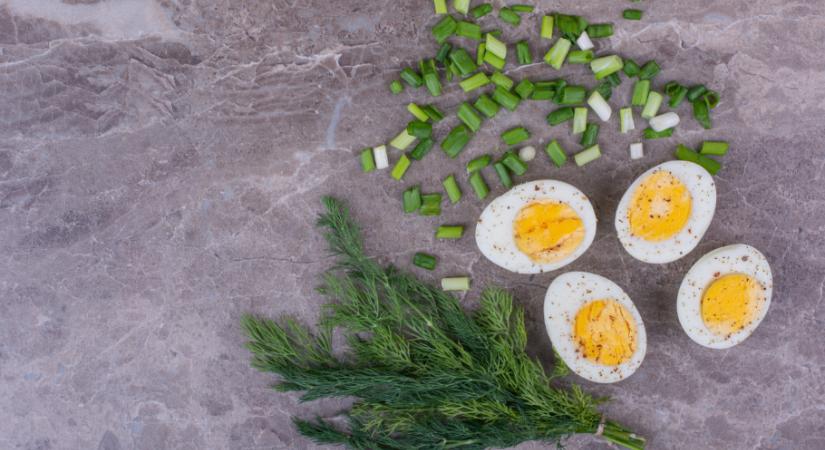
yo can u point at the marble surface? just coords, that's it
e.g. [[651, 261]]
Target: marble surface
[[161, 163]]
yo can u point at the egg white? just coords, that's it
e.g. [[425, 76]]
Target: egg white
[[494, 230], [703, 205], [567, 294], [738, 258]]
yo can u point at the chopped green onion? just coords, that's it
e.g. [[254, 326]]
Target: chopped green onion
[[481, 10], [396, 87], [701, 113], [468, 30], [580, 56], [695, 92], [579, 120], [631, 69], [456, 140], [555, 152], [479, 185], [424, 260], [476, 81], [600, 106], [711, 98], [570, 27], [652, 105], [495, 32], [685, 154], [649, 70], [649, 133], [455, 284], [401, 167], [444, 28], [572, 95], [640, 93], [632, 14], [461, 6], [515, 135], [403, 140], [586, 156], [522, 8], [411, 77], [513, 162], [555, 57], [560, 115], [509, 16], [542, 91], [664, 121], [614, 79], [451, 71], [417, 112], [503, 174], [449, 232], [499, 79], [606, 65], [412, 199], [478, 163], [480, 50], [523, 54], [584, 42], [430, 205], [431, 77], [676, 92], [494, 60], [453, 191], [600, 30], [710, 164], [605, 89], [496, 46], [506, 98], [487, 106], [434, 113], [626, 120], [590, 135], [367, 161], [719, 148], [443, 51], [637, 150], [524, 88], [379, 153], [422, 148], [419, 129], [440, 6], [547, 27], [462, 61]]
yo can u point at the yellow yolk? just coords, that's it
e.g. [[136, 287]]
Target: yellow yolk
[[660, 207], [548, 231], [605, 332], [731, 302]]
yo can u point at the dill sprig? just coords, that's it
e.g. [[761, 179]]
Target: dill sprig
[[426, 373]]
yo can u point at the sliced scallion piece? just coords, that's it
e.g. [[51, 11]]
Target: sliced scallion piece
[[605, 89], [694, 92], [522, 8], [400, 167], [479, 185], [579, 120], [555, 56], [494, 61], [570, 26], [495, 46], [508, 15], [650, 133], [600, 30], [440, 6], [626, 120], [379, 153], [523, 54], [649, 70], [462, 61], [474, 82], [503, 174], [685, 154], [396, 87], [524, 88], [419, 113], [479, 163], [403, 140], [664, 121], [580, 56], [506, 98], [422, 148], [631, 69], [600, 106], [556, 153], [481, 10], [452, 189], [449, 232], [499, 79], [443, 52], [444, 28], [676, 92], [462, 6], [424, 260], [584, 42], [367, 160], [711, 98], [701, 113], [430, 205], [480, 50], [640, 92], [652, 105], [411, 77], [419, 129], [637, 150], [468, 30], [560, 115], [710, 164], [486, 106], [411, 199], [572, 95], [718, 148], [456, 140], [632, 14], [430, 75], [512, 161], [455, 284], [606, 65], [434, 113], [586, 156], [542, 91], [515, 135], [547, 27], [590, 135]]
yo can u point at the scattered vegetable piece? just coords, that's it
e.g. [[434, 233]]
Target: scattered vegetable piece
[[556, 153], [403, 140], [701, 113], [481, 10], [676, 92], [499, 79], [664, 121], [468, 30], [631, 69], [640, 92], [547, 27], [449, 232], [523, 53], [606, 65], [649, 133], [430, 204], [636, 151], [586, 156], [719, 148], [495, 46], [626, 120], [379, 153], [515, 135], [632, 14], [527, 153], [452, 189], [411, 77], [649, 70], [419, 113], [590, 135], [710, 164], [506, 98], [479, 185], [584, 42], [711, 98], [444, 28], [508, 15], [455, 284], [422, 148], [462, 62], [522, 8], [524, 88], [456, 140], [480, 51], [434, 113], [652, 105], [561, 115], [503, 174], [487, 106], [579, 120], [411, 199], [396, 87], [600, 106], [468, 115], [572, 95], [580, 56], [514, 163], [476, 81], [367, 161], [443, 52], [478, 163], [401, 167], [555, 56], [493, 60], [461, 6], [419, 129], [440, 6], [424, 261], [600, 30], [695, 92]]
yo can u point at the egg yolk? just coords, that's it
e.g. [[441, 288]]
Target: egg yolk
[[731, 302], [605, 332], [548, 231], [659, 208]]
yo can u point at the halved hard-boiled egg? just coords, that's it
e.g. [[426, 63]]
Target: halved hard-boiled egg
[[725, 296], [666, 211], [536, 227], [594, 327]]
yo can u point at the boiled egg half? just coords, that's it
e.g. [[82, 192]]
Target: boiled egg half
[[594, 327], [666, 211], [725, 296], [536, 227]]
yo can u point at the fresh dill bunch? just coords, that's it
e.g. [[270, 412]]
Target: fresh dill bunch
[[426, 373]]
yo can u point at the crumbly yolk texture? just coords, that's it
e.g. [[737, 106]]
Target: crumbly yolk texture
[[660, 207], [548, 231], [731, 302], [605, 332]]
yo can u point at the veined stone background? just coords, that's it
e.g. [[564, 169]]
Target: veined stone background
[[161, 164]]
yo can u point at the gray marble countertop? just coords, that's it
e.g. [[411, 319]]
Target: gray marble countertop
[[161, 164]]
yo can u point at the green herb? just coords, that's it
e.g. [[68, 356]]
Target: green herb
[[640, 92], [493, 60], [462, 61], [499, 79], [424, 261], [478, 163], [512, 161], [433, 113], [479, 185], [411, 77], [590, 135], [480, 51], [600, 30], [469, 116], [503, 174], [572, 95], [367, 160], [555, 56], [401, 167], [444, 28], [449, 232], [506, 98], [456, 140], [523, 54], [631, 69], [468, 30], [487, 106], [650, 133], [632, 14], [580, 56], [476, 81], [586, 156], [701, 113], [560, 115], [440, 6], [579, 120], [411, 199], [652, 105], [719, 148], [495, 46], [452, 189], [430, 205], [418, 112], [524, 88], [547, 27], [613, 79], [695, 92], [443, 52], [455, 284], [509, 16], [430, 75], [555, 152], [606, 65], [711, 98], [676, 92], [419, 129], [481, 10], [422, 148], [522, 8], [626, 120], [396, 87], [515, 135], [649, 70], [461, 6], [403, 140]]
